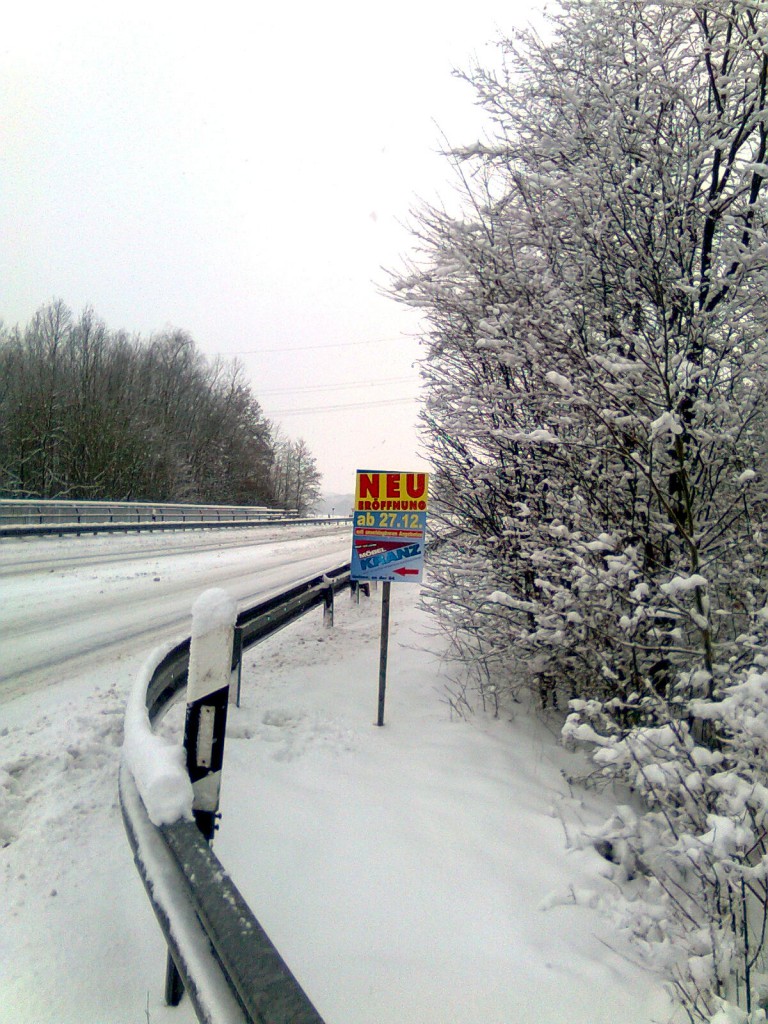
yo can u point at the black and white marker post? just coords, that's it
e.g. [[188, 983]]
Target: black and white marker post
[[210, 665], [210, 668]]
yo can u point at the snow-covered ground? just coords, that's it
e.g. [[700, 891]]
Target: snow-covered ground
[[423, 873]]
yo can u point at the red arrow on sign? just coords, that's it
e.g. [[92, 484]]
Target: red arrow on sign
[[407, 572]]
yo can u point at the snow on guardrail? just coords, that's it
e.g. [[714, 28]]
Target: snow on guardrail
[[219, 951], [27, 511], [156, 764], [85, 524]]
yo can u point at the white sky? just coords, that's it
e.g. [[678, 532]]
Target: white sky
[[243, 175]]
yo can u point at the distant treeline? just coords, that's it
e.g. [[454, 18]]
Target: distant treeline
[[89, 412]]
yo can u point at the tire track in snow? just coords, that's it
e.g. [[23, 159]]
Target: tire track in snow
[[52, 638], [44, 554]]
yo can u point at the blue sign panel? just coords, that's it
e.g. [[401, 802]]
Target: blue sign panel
[[388, 546]]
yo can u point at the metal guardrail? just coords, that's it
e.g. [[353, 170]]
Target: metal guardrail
[[34, 510], [28, 518], [229, 967]]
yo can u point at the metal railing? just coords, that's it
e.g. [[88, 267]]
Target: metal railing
[[21, 517], [229, 967]]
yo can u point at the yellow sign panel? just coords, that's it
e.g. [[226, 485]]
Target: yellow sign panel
[[379, 490]]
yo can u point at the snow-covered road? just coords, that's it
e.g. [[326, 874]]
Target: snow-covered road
[[70, 603]]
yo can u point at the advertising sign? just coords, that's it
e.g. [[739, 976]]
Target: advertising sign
[[389, 526]]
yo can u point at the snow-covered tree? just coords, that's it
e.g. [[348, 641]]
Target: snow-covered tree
[[596, 368], [295, 476], [86, 412]]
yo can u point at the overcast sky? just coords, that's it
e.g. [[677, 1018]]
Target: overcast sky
[[243, 174]]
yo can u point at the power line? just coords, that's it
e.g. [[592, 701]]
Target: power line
[[339, 408], [312, 348], [336, 387]]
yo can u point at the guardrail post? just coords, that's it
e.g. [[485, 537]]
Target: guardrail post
[[237, 666], [174, 986], [328, 607]]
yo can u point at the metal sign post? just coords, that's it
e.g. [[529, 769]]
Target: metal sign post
[[383, 651], [388, 540]]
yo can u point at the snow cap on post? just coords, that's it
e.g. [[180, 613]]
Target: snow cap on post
[[210, 656]]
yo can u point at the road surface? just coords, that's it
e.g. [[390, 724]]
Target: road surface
[[69, 603]]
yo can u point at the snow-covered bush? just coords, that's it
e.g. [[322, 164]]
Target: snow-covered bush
[[692, 866], [596, 372]]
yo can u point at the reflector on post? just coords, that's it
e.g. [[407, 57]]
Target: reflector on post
[[210, 666]]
